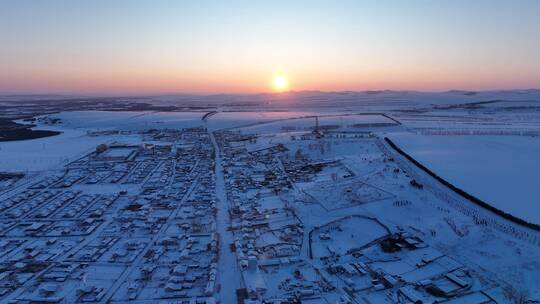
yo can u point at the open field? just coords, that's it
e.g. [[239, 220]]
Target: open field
[[502, 170]]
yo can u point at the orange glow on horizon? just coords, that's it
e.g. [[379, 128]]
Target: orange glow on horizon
[[122, 78]]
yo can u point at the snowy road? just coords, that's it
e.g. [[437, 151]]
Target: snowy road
[[230, 278]]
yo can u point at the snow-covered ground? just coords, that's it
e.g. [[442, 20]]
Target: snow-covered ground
[[277, 193], [123, 120], [501, 170], [51, 152]]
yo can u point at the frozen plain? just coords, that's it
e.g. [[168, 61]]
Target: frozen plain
[[488, 150]]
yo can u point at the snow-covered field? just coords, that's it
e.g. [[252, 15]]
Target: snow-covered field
[[51, 152], [122, 120], [306, 120], [501, 170], [305, 203]]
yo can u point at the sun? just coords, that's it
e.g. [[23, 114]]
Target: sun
[[281, 83]]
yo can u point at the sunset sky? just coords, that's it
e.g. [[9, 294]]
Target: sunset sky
[[140, 47]]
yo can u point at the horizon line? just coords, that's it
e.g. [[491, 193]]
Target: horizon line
[[179, 93]]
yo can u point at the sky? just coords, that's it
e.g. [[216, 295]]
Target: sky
[[202, 46]]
